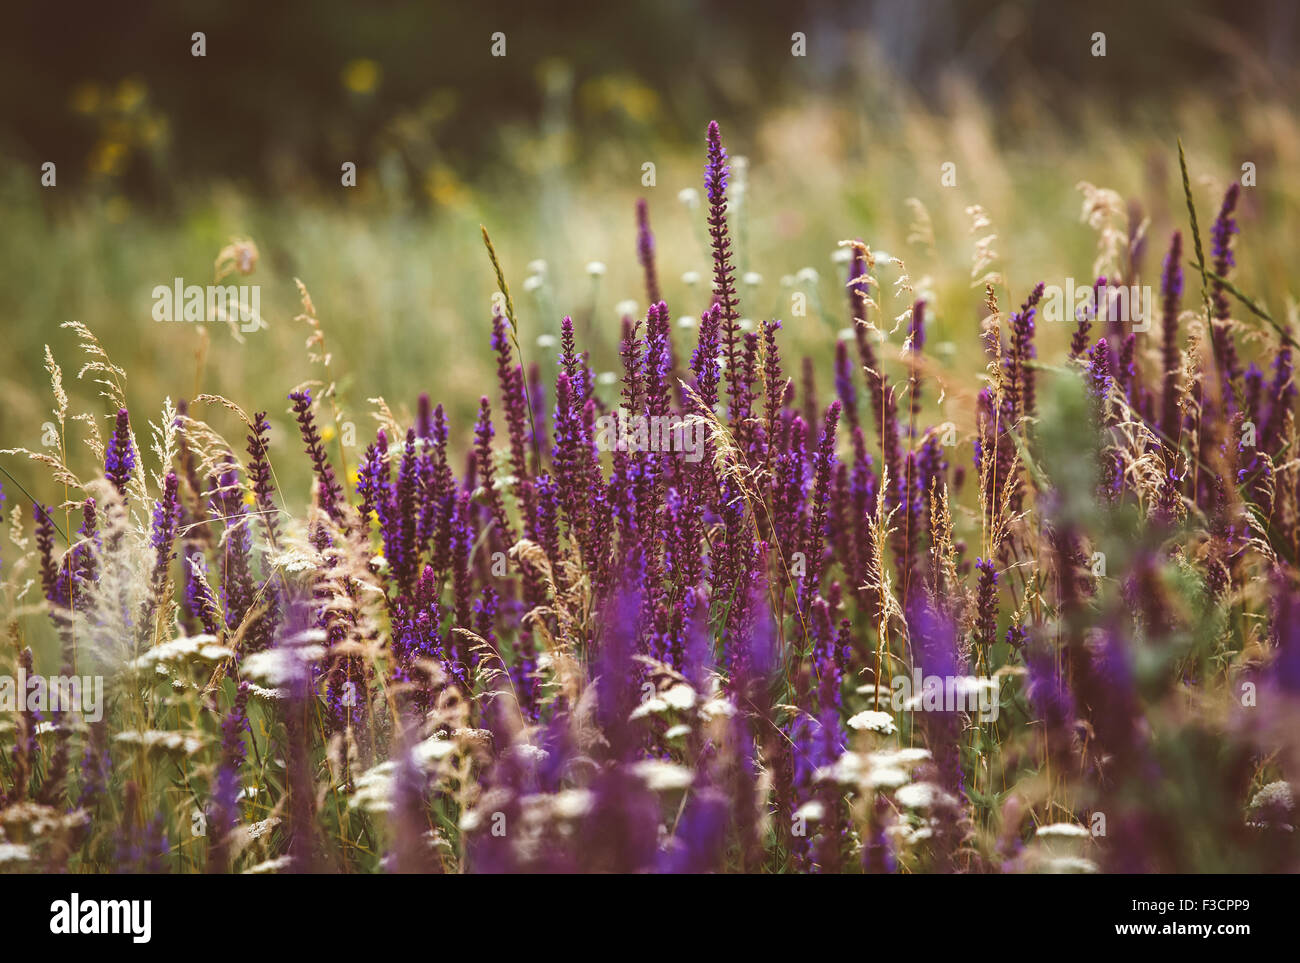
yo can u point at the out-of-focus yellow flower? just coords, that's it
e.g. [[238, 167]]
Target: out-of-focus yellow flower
[[249, 498], [107, 157], [353, 476], [130, 94], [445, 188], [609, 93], [361, 76], [85, 98], [640, 102], [327, 433], [153, 131]]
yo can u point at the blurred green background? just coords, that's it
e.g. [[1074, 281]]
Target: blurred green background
[[162, 158]]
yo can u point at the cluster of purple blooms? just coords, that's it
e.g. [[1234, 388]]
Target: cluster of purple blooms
[[756, 576]]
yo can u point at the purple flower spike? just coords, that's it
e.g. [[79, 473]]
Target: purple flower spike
[[1170, 359], [331, 494], [166, 516], [119, 457], [724, 278], [986, 602], [645, 250]]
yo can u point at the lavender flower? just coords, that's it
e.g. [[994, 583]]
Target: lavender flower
[[166, 516], [1172, 289], [823, 465], [986, 603], [331, 494], [119, 456], [645, 250], [1225, 226], [724, 279]]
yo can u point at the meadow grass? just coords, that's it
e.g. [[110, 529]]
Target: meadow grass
[[465, 638]]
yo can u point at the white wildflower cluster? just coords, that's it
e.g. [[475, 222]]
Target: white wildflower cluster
[[374, 788], [1058, 848], [162, 741], [1273, 807], [184, 651]]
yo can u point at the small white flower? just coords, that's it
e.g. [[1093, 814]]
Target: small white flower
[[533, 282], [470, 820], [686, 321], [1069, 864], [813, 811], [898, 757], [546, 341], [663, 776], [678, 731], [572, 803], [526, 750], [846, 769], [872, 720], [537, 267], [885, 777], [752, 278], [374, 789], [259, 829], [1276, 795], [745, 324], [177, 743], [807, 276], [841, 255], [855, 769], [431, 750], [651, 706], [973, 685], [921, 795], [270, 866], [691, 278], [626, 308], [14, 853], [607, 378], [680, 696], [689, 196], [195, 648], [293, 561], [281, 666], [595, 268], [716, 708], [1063, 831], [844, 334], [787, 280]]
